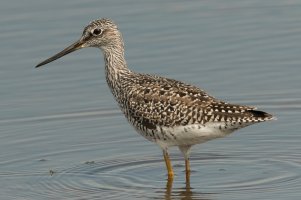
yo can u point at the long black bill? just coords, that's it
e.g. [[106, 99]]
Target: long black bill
[[75, 46]]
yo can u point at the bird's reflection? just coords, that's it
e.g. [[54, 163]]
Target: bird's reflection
[[185, 193]]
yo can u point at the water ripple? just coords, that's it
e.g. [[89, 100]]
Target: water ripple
[[66, 116], [138, 177]]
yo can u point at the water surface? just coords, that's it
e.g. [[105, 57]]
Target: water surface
[[62, 135]]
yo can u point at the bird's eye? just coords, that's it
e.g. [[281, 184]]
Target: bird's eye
[[96, 31]]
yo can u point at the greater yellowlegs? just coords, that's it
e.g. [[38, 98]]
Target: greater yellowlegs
[[165, 111]]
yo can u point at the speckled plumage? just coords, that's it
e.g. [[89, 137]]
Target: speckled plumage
[[152, 104], [163, 110]]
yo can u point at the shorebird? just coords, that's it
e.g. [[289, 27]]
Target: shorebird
[[163, 110]]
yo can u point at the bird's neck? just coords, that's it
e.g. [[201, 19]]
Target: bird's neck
[[115, 66], [114, 59]]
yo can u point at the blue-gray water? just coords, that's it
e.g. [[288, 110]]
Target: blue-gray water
[[62, 135]]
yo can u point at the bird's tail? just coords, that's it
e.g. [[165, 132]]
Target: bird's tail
[[260, 115]]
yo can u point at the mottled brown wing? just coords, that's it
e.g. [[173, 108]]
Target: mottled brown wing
[[160, 101]]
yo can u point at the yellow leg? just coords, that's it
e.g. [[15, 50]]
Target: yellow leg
[[168, 165], [168, 191], [185, 149], [187, 169], [187, 165]]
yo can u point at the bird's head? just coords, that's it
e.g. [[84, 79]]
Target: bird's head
[[101, 33]]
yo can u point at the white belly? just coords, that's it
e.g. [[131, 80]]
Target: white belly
[[192, 134]]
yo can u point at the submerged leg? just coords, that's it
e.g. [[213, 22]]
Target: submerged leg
[[168, 164]]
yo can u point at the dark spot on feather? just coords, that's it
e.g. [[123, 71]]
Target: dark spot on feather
[[166, 87], [182, 94], [170, 108]]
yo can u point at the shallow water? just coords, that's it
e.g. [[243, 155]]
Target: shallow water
[[62, 135]]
